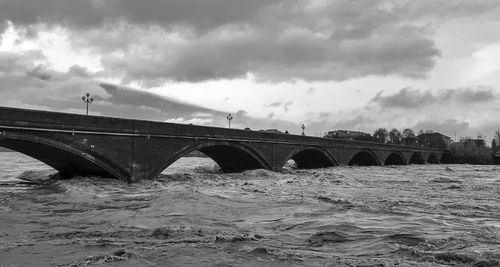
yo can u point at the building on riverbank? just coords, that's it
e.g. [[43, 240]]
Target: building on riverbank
[[434, 139]]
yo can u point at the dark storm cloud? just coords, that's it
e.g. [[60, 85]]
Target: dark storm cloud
[[41, 72], [201, 14], [45, 73], [208, 14], [409, 98], [95, 13], [70, 12], [405, 98], [282, 40], [278, 55], [12, 63], [126, 96]]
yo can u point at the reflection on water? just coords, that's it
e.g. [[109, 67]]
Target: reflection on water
[[192, 214]]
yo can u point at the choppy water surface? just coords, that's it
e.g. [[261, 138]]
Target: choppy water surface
[[429, 215]]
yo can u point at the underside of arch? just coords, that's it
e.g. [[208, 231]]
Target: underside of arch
[[231, 157], [395, 159], [68, 161], [312, 158], [364, 158], [417, 158], [433, 158]]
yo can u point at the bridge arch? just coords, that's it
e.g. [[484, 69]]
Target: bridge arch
[[433, 158], [230, 156], [68, 160], [364, 158], [395, 158], [417, 158], [311, 158]]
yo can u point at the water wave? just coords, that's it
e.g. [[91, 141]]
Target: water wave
[[192, 214]]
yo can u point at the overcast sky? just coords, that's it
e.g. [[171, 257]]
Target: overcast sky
[[353, 64]]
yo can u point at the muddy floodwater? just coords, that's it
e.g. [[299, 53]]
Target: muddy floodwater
[[193, 215]]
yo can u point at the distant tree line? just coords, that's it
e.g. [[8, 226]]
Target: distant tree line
[[394, 136], [471, 151]]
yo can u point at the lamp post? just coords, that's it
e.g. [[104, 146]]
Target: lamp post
[[303, 128], [87, 99], [229, 119]]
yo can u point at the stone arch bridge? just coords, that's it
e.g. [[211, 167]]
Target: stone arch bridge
[[136, 149]]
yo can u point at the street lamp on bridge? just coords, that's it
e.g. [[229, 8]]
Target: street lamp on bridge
[[87, 99], [229, 119]]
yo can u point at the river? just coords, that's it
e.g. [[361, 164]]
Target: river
[[193, 215]]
